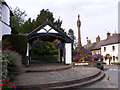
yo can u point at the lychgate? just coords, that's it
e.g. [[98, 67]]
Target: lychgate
[[48, 32]]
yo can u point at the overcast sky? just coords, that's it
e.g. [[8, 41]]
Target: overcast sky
[[97, 16]]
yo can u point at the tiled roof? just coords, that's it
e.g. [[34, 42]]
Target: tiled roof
[[99, 44], [90, 46], [110, 40]]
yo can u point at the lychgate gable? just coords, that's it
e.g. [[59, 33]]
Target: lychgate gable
[[47, 30]]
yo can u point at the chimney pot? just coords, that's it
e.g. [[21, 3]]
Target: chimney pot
[[98, 38], [108, 35], [88, 41]]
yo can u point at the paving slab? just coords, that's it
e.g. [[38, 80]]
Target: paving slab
[[35, 78]]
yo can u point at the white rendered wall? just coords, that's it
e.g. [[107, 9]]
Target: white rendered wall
[[28, 48], [119, 52], [5, 14], [0, 20], [0, 10], [4, 30], [68, 53], [4, 21], [111, 52], [0, 30]]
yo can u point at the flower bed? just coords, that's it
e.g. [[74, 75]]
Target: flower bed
[[83, 55], [6, 85], [57, 43]]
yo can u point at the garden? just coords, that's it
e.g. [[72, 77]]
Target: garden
[[11, 62], [82, 55], [45, 50]]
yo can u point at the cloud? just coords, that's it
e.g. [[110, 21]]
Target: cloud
[[96, 15]]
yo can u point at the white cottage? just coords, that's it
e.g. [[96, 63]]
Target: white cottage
[[5, 14], [111, 48]]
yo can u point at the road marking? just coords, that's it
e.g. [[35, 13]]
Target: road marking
[[114, 69]]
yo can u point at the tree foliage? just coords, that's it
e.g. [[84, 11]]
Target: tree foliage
[[45, 53], [17, 20], [71, 35], [19, 24]]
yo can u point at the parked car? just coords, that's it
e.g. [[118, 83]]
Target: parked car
[[98, 65], [102, 63]]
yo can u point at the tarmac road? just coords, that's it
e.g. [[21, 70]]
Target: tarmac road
[[113, 82], [114, 73]]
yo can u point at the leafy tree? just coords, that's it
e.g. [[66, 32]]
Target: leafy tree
[[17, 20], [19, 25], [30, 25], [26, 27], [44, 14], [44, 53], [71, 35]]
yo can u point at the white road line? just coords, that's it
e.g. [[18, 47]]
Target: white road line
[[114, 69]]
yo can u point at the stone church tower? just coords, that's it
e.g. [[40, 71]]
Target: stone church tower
[[79, 34]]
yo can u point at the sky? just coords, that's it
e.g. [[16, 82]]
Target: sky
[[97, 16]]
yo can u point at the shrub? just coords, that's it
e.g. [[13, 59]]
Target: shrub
[[18, 43], [45, 53], [45, 57], [116, 63], [11, 64]]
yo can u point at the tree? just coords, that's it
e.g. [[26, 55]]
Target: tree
[[27, 26], [17, 20], [30, 25], [71, 35], [20, 25]]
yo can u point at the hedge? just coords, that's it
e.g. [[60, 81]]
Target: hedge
[[116, 63], [45, 57], [18, 43]]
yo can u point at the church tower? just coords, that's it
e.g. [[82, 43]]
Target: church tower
[[79, 36]]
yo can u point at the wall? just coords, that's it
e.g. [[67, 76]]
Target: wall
[[4, 20], [68, 53], [96, 52], [110, 51]]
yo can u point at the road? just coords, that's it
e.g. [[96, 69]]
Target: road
[[113, 71]]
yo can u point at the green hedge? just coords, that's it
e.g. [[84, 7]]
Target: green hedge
[[116, 63], [18, 43], [45, 57]]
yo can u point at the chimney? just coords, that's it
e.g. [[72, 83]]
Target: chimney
[[88, 41], [98, 38], [108, 35], [114, 34]]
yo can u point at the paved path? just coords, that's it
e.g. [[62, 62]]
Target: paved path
[[35, 78], [49, 66]]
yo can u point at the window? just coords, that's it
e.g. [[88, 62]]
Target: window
[[104, 49], [113, 58], [113, 48]]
